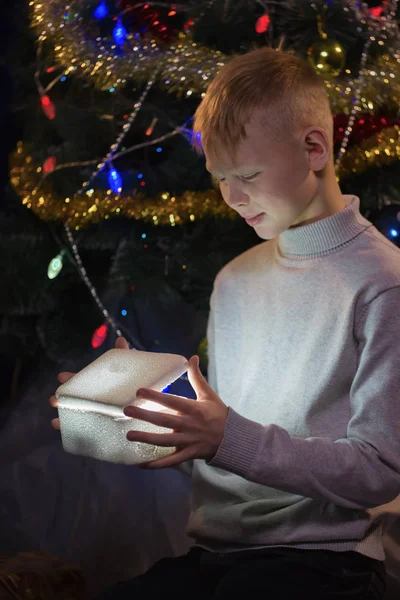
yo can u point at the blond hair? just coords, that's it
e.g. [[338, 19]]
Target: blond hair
[[281, 88]]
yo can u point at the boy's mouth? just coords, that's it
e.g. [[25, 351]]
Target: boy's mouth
[[254, 220]]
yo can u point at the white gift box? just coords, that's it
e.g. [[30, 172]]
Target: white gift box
[[91, 403]]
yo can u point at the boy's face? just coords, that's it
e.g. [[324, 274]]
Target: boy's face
[[269, 177]]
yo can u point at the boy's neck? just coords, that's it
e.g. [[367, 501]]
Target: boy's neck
[[327, 201], [324, 235]]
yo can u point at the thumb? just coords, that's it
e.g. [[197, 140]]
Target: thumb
[[121, 344], [195, 376], [64, 377]]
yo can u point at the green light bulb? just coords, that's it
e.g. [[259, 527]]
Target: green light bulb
[[55, 266]]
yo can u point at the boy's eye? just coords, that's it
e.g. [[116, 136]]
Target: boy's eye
[[249, 177]]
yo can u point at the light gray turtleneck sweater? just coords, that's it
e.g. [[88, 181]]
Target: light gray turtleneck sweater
[[304, 348]]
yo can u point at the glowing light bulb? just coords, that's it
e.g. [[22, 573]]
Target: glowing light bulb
[[262, 23], [119, 33], [48, 107], [149, 130], [55, 266], [115, 181], [49, 164], [101, 11], [99, 336], [376, 11]]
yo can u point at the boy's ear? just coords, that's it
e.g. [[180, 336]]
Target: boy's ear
[[317, 146]]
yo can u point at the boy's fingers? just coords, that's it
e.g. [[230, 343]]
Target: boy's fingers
[[121, 344], [63, 377], [56, 424], [53, 401]]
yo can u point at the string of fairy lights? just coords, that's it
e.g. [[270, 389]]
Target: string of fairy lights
[[353, 112], [114, 178], [115, 182], [184, 68]]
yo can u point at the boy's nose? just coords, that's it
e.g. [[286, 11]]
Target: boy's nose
[[234, 197]]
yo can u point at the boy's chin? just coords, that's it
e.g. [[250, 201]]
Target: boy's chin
[[268, 233]]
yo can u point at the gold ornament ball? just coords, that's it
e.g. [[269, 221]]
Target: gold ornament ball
[[202, 351], [327, 57]]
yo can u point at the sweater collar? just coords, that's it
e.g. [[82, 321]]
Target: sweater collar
[[320, 237]]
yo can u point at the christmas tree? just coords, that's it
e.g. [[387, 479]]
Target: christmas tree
[[114, 226]]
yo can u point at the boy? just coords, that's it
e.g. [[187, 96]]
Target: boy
[[294, 441]]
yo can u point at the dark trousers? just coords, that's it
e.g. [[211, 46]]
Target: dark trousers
[[269, 574]]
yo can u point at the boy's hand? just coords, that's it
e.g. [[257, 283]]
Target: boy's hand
[[120, 343], [198, 428]]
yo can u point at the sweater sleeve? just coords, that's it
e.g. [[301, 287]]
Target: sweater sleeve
[[360, 471]]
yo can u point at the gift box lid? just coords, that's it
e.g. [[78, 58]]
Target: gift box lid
[[115, 377]]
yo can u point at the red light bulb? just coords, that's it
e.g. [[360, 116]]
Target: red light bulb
[[99, 336], [262, 23], [48, 107], [49, 164]]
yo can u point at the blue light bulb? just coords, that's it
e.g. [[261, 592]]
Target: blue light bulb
[[119, 33], [114, 180], [101, 11], [394, 233]]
